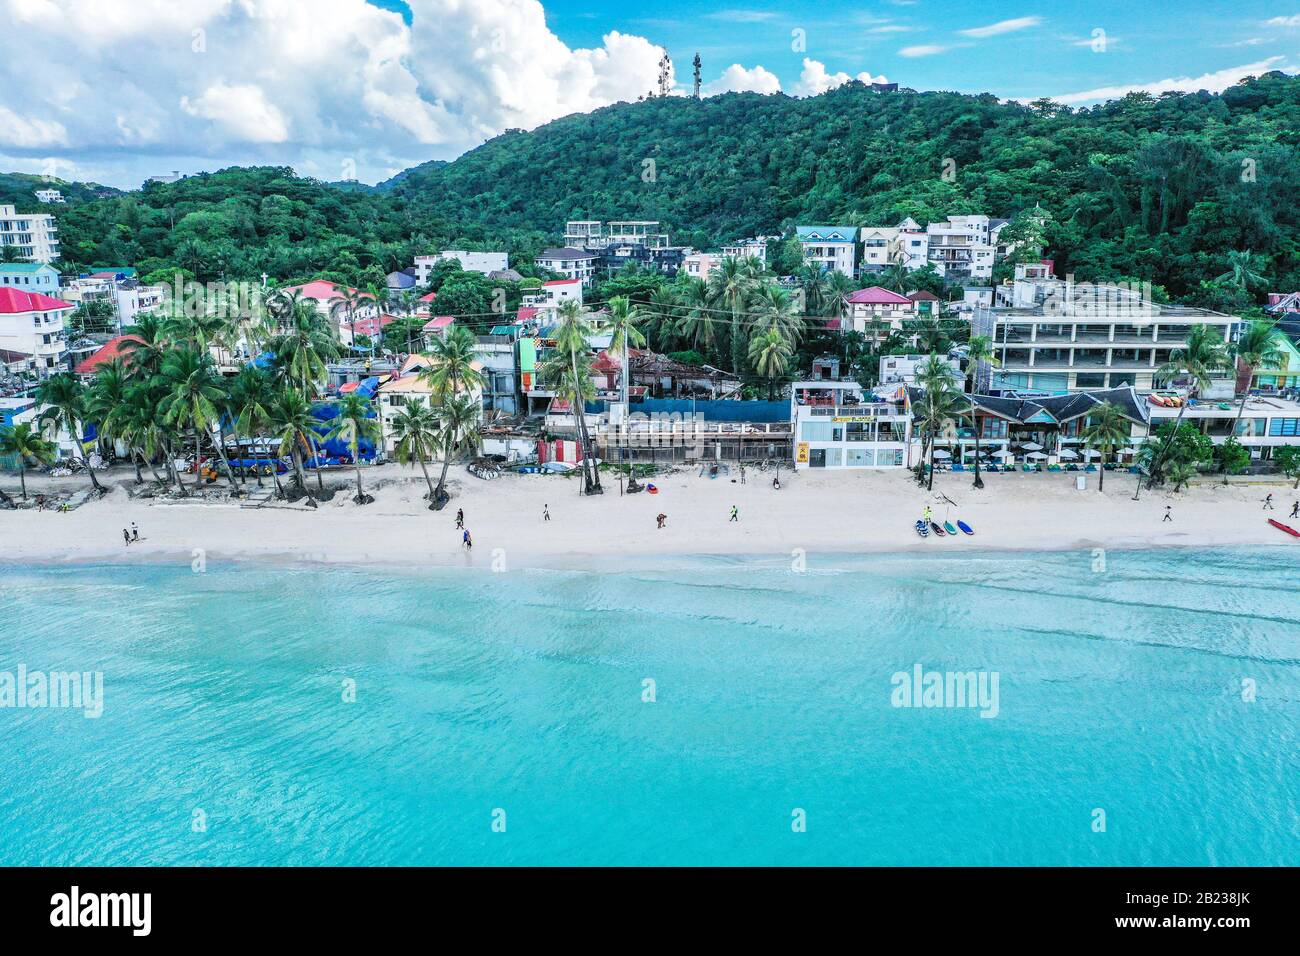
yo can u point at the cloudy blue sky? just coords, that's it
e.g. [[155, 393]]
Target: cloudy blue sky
[[363, 88]]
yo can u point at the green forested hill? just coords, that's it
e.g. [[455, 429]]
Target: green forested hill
[[1160, 189], [1154, 188], [19, 189]]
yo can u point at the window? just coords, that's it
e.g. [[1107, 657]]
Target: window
[[1283, 427], [817, 431], [860, 458], [860, 431]]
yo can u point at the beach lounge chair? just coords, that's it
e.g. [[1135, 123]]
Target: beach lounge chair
[[1054, 468], [1072, 467], [1091, 468], [958, 466]]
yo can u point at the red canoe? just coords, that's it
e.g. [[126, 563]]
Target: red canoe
[[1284, 527]]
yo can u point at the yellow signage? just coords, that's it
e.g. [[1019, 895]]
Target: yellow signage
[[801, 456]]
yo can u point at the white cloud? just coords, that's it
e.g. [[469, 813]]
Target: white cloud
[[924, 49], [737, 79], [1215, 82], [814, 79], [309, 83], [1284, 22], [741, 16], [1002, 26], [891, 28]]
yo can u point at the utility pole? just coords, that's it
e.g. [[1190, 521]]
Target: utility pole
[[697, 76]]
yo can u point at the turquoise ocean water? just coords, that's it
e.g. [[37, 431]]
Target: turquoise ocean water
[[1119, 690]]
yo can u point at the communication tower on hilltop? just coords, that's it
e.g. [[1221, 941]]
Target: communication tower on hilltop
[[665, 75], [697, 76]]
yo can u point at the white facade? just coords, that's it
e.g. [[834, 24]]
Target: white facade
[[128, 297], [962, 247], [35, 235], [1083, 336], [569, 263], [36, 332], [746, 248], [552, 295], [838, 425], [50, 195], [484, 262], [901, 369], [595, 234], [830, 248]]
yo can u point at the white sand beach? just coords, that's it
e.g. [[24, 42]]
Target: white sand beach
[[823, 512]]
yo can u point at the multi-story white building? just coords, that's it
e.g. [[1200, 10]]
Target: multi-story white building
[[552, 295], [32, 324], [884, 246], [595, 234], [1065, 337], [830, 248], [126, 296], [484, 262], [877, 311], [840, 425], [34, 235], [569, 263], [50, 196], [700, 265], [964, 247], [747, 248]]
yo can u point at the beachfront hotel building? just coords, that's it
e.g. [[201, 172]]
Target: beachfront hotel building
[[32, 324], [34, 235], [1054, 336], [841, 425]]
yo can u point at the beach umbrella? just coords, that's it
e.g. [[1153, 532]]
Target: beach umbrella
[[1068, 455], [1091, 453], [1004, 453], [1035, 455], [940, 453], [1032, 446]]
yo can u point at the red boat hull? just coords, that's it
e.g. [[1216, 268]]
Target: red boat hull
[[1284, 527]]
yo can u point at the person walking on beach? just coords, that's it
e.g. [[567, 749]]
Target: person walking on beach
[[135, 532], [1168, 513], [126, 536], [929, 515], [546, 512], [735, 514], [1295, 510], [661, 518], [776, 484], [1268, 501], [466, 540], [742, 473], [460, 517]]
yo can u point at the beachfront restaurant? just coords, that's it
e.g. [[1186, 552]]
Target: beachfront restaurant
[[843, 425], [1037, 433]]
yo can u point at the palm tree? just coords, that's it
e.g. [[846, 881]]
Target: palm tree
[[769, 354], [454, 365], [980, 353], [251, 395], [1241, 270], [107, 406], [380, 295], [1256, 348], [730, 284], [415, 430], [1107, 428], [355, 421], [457, 432], [940, 403], [697, 324], [1200, 357], [302, 353], [148, 344], [816, 289], [26, 443], [141, 430], [625, 318], [64, 400], [348, 303], [570, 344], [895, 277], [291, 421], [194, 392], [774, 309]]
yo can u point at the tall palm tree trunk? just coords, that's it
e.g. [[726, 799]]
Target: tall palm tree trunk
[[1164, 452], [979, 482], [198, 464], [930, 485], [441, 490], [22, 474], [419, 453]]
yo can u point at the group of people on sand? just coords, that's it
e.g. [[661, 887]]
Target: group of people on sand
[[132, 535], [1268, 506]]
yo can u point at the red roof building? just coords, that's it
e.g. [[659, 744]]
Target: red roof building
[[875, 295], [17, 302], [114, 348]]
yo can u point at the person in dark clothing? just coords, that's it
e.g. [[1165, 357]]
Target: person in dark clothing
[[126, 536], [735, 514], [546, 512], [460, 517], [1168, 513], [1268, 502], [661, 518], [1295, 510]]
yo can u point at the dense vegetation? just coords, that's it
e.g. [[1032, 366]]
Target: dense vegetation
[[1161, 189], [19, 189]]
